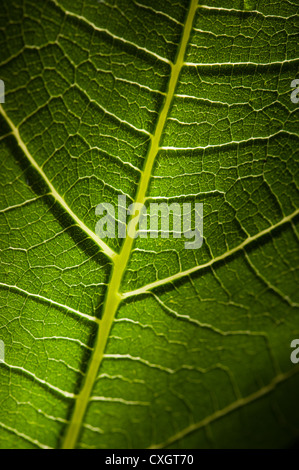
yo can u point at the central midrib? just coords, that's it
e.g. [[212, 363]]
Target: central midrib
[[120, 262]]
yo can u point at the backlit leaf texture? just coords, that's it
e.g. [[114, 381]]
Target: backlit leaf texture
[[141, 343]]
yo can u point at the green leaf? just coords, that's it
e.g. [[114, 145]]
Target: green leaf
[[136, 343]]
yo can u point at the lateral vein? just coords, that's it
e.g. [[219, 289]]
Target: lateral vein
[[105, 248], [147, 288], [241, 402], [50, 301]]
